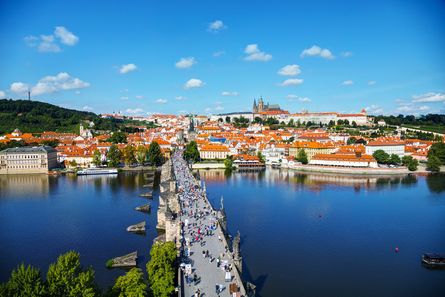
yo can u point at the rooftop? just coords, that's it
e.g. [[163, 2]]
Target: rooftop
[[28, 149]]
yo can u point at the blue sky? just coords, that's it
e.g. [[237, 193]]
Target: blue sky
[[137, 56]]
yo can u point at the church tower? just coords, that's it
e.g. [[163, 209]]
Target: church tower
[[260, 105], [255, 107]]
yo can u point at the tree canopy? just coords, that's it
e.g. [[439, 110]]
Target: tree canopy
[[35, 116], [114, 156], [155, 156], [191, 153], [160, 268], [381, 156], [302, 156], [131, 284]]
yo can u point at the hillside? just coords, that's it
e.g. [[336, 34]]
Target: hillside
[[35, 116]]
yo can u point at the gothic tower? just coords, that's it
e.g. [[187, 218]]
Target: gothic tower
[[255, 107]]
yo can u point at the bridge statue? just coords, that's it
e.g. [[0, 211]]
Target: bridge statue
[[237, 259]]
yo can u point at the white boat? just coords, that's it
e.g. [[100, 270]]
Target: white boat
[[96, 171]]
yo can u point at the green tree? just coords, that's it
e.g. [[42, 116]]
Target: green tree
[[433, 163], [228, 162], [351, 140], [438, 150], [410, 162], [97, 158], [24, 282], [227, 119], [131, 284], [261, 157], [114, 156], [141, 154], [73, 163], [381, 156], [128, 154], [302, 156], [394, 159], [257, 120], [155, 156], [291, 123], [191, 153], [66, 277], [161, 270], [413, 164], [118, 137], [52, 142], [354, 124]]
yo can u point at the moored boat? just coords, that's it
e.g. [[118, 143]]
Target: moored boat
[[434, 260], [96, 171]]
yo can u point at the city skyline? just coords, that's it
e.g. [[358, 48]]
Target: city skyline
[[216, 57]]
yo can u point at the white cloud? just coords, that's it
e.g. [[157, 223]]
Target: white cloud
[[65, 36], [424, 107], [59, 82], [374, 109], [219, 108], [315, 50], [185, 62], [216, 26], [293, 97], [193, 83], [290, 70], [371, 82], [227, 93], [124, 97], [48, 43], [346, 54], [2, 94], [19, 87], [429, 97], [219, 53], [291, 82], [77, 92], [134, 110], [161, 101], [139, 97], [127, 68], [180, 98], [87, 108], [347, 82], [406, 107], [254, 54]]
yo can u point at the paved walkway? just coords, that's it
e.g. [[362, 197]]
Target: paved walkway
[[206, 261]]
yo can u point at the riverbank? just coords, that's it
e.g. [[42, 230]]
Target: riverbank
[[347, 170]]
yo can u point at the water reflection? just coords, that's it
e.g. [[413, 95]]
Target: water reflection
[[26, 186], [436, 182], [317, 181]]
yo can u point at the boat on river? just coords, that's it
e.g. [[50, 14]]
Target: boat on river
[[433, 260], [96, 171]]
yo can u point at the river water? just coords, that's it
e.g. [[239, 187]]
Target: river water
[[302, 234], [43, 216], [333, 235]]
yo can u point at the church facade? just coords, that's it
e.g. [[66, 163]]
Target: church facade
[[262, 107]]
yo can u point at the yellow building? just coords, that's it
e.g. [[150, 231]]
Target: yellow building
[[311, 148]]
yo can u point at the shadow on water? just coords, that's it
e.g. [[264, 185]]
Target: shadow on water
[[435, 182], [258, 282]]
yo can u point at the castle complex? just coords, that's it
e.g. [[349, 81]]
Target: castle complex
[[261, 107]]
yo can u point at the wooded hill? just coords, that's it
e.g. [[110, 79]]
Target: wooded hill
[[35, 116]]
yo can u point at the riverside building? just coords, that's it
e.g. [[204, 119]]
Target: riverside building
[[23, 160]]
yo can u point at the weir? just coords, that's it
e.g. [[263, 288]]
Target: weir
[[191, 222]]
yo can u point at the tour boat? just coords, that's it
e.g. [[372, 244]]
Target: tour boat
[[434, 260], [96, 171]]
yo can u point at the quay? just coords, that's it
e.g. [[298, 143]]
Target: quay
[[210, 263]]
